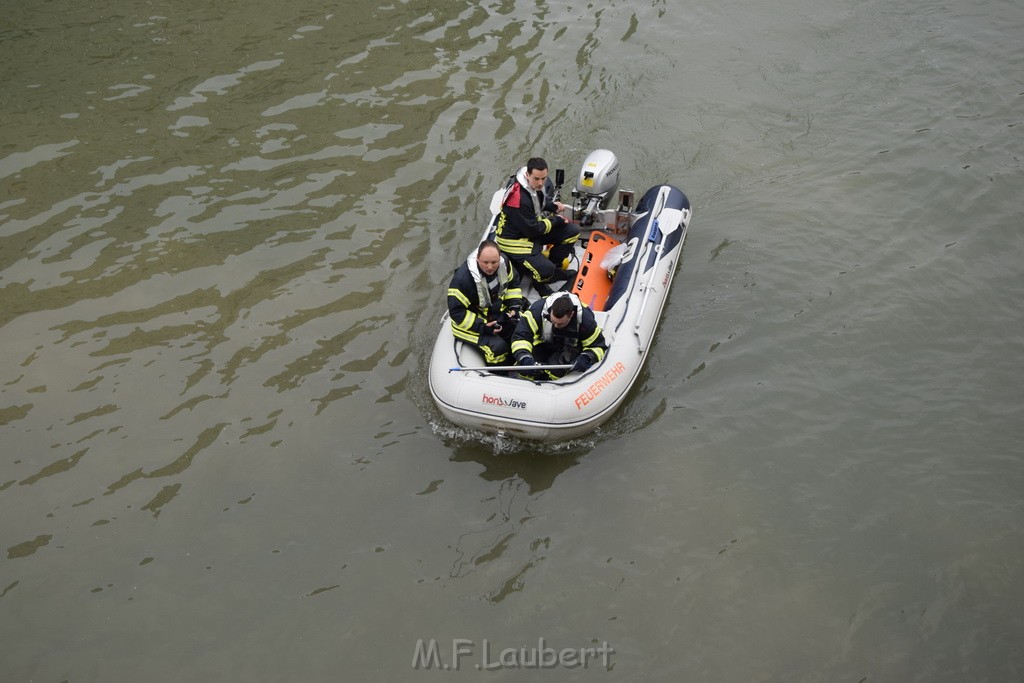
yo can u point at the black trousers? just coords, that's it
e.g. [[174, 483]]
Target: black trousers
[[543, 268]]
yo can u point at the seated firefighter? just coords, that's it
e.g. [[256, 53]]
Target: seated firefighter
[[484, 300], [524, 229], [557, 330]]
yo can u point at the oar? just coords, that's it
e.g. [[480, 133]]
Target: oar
[[668, 221], [520, 368]]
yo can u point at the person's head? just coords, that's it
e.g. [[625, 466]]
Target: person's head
[[488, 257], [536, 173], [561, 312]]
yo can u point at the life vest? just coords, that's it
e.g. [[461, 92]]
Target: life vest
[[518, 186], [483, 292], [547, 328]]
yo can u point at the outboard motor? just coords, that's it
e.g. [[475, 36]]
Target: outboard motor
[[598, 181]]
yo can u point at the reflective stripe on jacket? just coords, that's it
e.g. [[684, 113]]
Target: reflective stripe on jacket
[[535, 328], [522, 223], [469, 300]]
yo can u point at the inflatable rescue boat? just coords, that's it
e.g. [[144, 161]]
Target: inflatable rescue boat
[[625, 259]]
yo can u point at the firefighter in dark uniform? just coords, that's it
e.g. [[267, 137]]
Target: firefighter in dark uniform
[[484, 301], [524, 229], [557, 330]]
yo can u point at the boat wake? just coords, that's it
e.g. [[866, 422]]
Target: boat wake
[[506, 444]]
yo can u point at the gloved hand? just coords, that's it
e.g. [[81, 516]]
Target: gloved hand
[[526, 364], [582, 362], [509, 317]]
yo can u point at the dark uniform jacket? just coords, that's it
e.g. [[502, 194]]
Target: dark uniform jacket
[[581, 335], [472, 304], [522, 223]]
